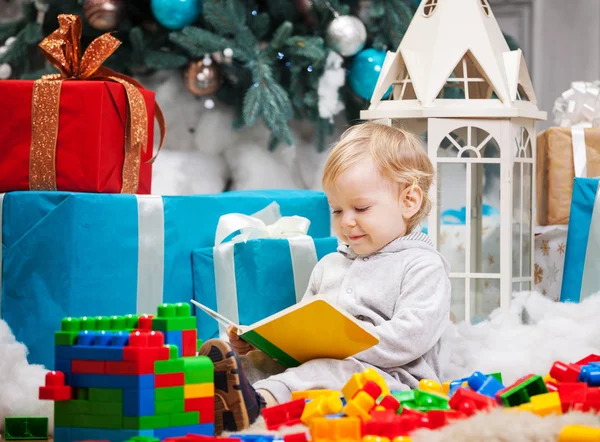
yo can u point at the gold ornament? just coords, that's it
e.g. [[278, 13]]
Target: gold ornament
[[203, 77], [104, 15]]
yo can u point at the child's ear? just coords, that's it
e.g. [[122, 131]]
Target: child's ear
[[411, 199]]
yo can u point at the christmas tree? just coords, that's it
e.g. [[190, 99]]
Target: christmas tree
[[270, 59]]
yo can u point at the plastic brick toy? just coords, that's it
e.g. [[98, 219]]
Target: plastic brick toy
[[25, 428], [125, 377]]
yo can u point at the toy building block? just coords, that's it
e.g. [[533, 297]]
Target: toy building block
[[389, 402], [330, 430], [430, 386], [55, 388], [446, 387], [544, 404], [486, 385], [295, 437], [358, 380], [426, 401], [469, 402], [588, 359], [440, 418], [590, 374], [572, 393], [360, 406], [313, 394], [322, 406], [579, 433], [25, 428], [172, 317], [289, 413], [563, 372], [188, 341], [522, 390]]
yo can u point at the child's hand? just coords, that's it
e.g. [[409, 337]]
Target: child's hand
[[240, 346]]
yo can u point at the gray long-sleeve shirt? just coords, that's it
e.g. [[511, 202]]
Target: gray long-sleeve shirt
[[401, 293]]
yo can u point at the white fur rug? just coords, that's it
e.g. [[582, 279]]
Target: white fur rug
[[526, 338]]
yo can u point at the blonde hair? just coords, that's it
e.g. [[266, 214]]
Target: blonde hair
[[399, 155]]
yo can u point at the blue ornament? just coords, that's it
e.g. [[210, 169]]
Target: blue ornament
[[364, 72], [176, 14]]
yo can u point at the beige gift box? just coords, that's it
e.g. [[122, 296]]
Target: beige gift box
[[556, 171]]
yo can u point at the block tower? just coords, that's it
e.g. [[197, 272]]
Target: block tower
[[124, 376]]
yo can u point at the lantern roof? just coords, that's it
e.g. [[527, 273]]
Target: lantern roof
[[454, 45]]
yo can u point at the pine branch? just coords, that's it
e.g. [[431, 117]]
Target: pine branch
[[9, 29], [162, 60], [283, 10], [28, 36], [197, 42], [311, 48], [252, 104], [226, 16], [283, 32], [397, 17], [260, 25]]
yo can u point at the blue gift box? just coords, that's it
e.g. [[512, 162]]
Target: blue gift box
[[581, 277], [264, 280], [75, 254]]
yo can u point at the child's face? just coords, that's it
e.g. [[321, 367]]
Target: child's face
[[367, 208]]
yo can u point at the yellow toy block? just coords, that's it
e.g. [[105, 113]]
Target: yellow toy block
[[375, 439], [313, 394], [579, 433], [191, 391], [360, 406], [446, 387], [402, 439], [549, 378], [321, 406], [524, 407], [346, 428], [431, 386], [547, 403], [380, 408], [358, 381]]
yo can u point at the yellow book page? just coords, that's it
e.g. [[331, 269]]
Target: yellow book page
[[317, 330]]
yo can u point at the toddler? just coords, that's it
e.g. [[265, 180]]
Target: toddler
[[386, 273]]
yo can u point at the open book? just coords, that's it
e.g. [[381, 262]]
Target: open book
[[308, 330]]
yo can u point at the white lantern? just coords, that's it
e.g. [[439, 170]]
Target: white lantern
[[487, 129]]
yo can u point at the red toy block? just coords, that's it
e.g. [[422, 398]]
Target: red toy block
[[130, 367], [390, 403], [169, 380], [295, 437], [565, 372], [145, 322], [189, 338], [284, 414], [588, 359], [146, 346], [372, 389], [205, 406], [571, 393], [551, 386], [200, 438], [55, 388], [440, 418], [88, 367], [469, 401]]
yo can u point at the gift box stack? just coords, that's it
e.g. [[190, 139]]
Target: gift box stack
[[81, 236], [568, 155]]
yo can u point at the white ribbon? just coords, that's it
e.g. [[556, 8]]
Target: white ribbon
[[590, 281], [151, 252], [579, 154], [1, 249], [292, 228]]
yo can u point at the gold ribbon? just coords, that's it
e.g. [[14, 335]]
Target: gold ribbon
[[62, 49]]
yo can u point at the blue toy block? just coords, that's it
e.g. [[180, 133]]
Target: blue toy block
[[144, 381], [138, 402], [88, 353], [486, 385], [175, 337], [201, 429], [80, 434], [255, 437], [590, 374], [62, 434]]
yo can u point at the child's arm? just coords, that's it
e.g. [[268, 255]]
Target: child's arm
[[421, 315], [315, 281]]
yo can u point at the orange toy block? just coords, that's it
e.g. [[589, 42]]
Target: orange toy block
[[358, 381], [326, 430], [321, 406], [360, 406]]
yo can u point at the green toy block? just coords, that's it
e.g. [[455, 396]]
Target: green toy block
[[198, 370], [169, 407], [145, 422], [173, 351], [62, 414], [168, 394], [173, 323], [25, 428], [117, 323], [131, 321], [430, 401], [521, 392], [143, 439], [170, 366], [498, 376], [105, 422], [167, 311], [65, 337], [88, 323], [105, 408], [105, 394], [103, 323], [199, 343], [182, 419], [82, 393], [70, 325]]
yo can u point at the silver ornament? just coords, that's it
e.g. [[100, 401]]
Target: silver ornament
[[5, 71], [346, 35]]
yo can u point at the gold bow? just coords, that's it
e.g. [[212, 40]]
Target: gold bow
[[62, 49]]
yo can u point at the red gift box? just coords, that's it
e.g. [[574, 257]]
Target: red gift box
[[91, 136]]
